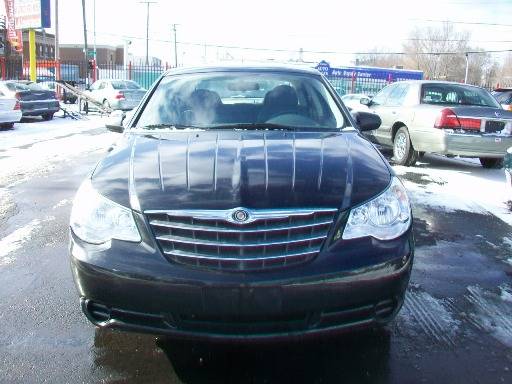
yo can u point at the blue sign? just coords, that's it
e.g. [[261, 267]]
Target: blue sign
[[387, 74]]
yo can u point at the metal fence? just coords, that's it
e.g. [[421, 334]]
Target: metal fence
[[76, 72], [344, 80]]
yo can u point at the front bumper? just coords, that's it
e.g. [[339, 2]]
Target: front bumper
[[146, 293]]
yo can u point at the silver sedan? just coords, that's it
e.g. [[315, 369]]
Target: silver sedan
[[116, 94], [441, 117]]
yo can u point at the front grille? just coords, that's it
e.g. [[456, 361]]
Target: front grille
[[493, 126], [266, 239]]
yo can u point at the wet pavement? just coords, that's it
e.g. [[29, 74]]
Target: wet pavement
[[455, 326]]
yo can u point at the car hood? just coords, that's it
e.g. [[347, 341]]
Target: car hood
[[252, 169]]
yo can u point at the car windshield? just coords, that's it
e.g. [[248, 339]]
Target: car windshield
[[123, 84], [456, 94], [255, 100]]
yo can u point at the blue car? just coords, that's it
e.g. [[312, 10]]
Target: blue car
[[242, 203]]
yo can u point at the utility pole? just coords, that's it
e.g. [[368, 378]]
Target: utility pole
[[85, 45], [56, 50], [467, 69], [94, 27], [148, 3], [175, 46]]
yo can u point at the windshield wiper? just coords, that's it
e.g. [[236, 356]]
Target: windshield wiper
[[256, 126], [170, 126]]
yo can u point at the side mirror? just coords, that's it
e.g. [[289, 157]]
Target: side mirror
[[115, 122], [366, 121], [365, 101]]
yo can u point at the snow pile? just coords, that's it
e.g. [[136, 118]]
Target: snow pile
[[35, 148], [457, 184]]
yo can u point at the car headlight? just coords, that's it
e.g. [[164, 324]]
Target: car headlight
[[96, 219], [385, 217]]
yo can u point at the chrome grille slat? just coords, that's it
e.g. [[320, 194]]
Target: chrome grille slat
[[241, 243], [267, 239], [217, 229], [201, 256]]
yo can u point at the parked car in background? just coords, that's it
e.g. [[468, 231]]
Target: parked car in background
[[34, 99], [353, 101], [507, 164], [67, 97], [10, 111], [242, 220], [504, 97], [115, 94], [441, 117]]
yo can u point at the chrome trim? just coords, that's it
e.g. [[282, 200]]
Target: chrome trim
[[132, 190], [254, 214], [217, 258], [193, 227], [240, 244]]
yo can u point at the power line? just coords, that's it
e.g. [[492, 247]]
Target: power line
[[463, 22], [259, 49]]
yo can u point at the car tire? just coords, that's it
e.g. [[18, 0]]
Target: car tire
[[7, 125], [84, 107], [47, 116], [491, 163], [403, 150]]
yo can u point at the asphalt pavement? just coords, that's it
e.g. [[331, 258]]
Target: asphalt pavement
[[455, 326]]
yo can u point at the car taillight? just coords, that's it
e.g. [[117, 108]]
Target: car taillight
[[17, 106], [447, 119], [120, 96]]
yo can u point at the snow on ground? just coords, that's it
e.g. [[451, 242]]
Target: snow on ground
[[492, 313], [15, 240], [456, 184], [35, 147]]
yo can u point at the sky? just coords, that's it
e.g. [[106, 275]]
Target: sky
[[325, 25]]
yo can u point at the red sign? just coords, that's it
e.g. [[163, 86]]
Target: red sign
[[14, 36]]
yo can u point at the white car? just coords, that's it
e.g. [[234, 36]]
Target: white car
[[116, 94], [353, 101], [10, 111]]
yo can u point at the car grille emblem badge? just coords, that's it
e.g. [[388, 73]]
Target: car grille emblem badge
[[240, 216], [497, 114]]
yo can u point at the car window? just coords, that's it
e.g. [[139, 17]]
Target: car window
[[125, 84], [503, 97], [381, 97], [447, 93], [14, 87], [397, 95], [210, 99]]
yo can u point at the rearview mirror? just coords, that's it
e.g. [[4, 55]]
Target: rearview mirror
[[365, 101], [115, 122], [366, 121]]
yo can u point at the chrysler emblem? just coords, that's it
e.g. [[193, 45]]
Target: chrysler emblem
[[240, 216], [497, 114]]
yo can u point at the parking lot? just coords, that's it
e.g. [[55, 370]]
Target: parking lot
[[455, 326]]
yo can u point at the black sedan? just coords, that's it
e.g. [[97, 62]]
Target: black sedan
[[228, 213], [34, 99]]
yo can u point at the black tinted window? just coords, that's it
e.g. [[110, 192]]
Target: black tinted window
[[456, 94]]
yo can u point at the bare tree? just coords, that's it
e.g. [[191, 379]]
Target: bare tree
[[438, 52]]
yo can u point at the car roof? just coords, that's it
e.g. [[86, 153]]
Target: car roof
[[245, 68]]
